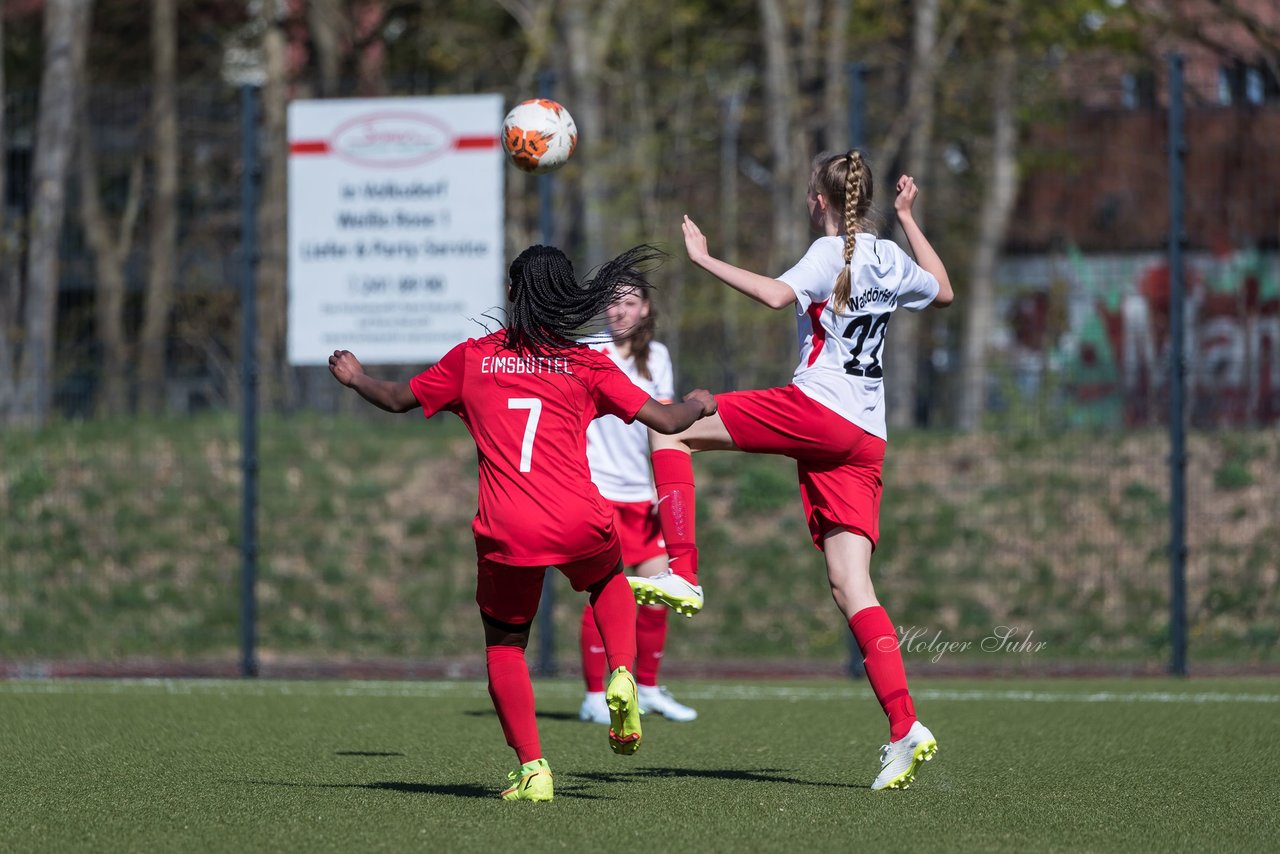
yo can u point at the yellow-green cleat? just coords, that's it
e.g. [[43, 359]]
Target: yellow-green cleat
[[624, 712], [531, 783]]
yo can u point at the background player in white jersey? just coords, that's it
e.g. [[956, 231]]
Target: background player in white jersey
[[830, 419], [619, 456]]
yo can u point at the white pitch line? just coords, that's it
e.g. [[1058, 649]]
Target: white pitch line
[[476, 689], [247, 688], [1097, 696], [748, 692]]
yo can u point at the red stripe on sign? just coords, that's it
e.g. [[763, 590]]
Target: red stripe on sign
[[463, 143], [316, 146]]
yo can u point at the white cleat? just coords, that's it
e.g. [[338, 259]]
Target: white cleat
[[667, 588], [594, 709], [901, 759], [656, 699]]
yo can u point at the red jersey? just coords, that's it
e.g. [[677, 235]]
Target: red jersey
[[529, 417]]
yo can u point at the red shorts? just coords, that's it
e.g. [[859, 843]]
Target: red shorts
[[839, 463], [640, 529], [510, 594]]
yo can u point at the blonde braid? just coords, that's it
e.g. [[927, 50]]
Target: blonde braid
[[845, 181], [854, 192]]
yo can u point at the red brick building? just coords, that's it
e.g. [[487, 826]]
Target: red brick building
[[1098, 178]]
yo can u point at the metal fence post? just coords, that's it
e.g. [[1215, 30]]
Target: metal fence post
[[857, 72], [1177, 380], [249, 176]]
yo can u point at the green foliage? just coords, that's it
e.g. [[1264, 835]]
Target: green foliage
[[764, 489], [29, 483], [1239, 452], [127, 544], [1232, 474]]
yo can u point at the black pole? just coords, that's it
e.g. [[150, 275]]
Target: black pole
[[1177, 380], [857, 139], [546, 610], [249, 176], [857, 104]]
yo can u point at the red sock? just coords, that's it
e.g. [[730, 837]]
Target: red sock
[[615, 608], [512, 694], [592, 647], [651, 639], [874, 632], [677, 510]]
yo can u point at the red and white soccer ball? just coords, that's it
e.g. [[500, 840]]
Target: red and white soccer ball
[[539, 136]]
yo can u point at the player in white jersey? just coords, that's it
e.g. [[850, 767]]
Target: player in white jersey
[[619, 457], [830, 419]]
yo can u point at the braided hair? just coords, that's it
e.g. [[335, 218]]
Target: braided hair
[[846, 183], [550, 308]]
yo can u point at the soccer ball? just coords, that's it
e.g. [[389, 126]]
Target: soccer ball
[[539, 135]]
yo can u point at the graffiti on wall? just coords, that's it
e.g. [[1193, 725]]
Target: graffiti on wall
[[1097, 330]]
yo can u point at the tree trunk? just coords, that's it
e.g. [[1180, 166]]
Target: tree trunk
[[329, 25], [372, 55], [590, 37], [993, 221], [732, 103], [535, 20], [927, 68], [8, 265], [835, 94], [807, 42], [902, 361], [657, 180], [66, 27], [781, 108], [158, 314], [681, 140], [110, 252]]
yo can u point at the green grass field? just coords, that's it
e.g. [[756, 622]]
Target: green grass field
[[190, 765]]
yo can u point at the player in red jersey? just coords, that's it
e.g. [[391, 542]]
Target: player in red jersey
[[830, 419], [527, 393]]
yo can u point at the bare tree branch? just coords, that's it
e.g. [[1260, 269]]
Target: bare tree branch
[[891, 144]]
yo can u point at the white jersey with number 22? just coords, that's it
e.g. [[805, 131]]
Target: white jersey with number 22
[[619, 452], [840, 354]]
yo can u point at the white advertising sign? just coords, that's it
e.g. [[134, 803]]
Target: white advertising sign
[[395, 226]]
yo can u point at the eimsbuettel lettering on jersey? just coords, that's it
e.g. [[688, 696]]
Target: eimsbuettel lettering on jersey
[[524, 365]]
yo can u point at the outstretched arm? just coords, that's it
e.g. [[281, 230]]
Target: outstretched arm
[[384, 394], [920, 246], [762, 289], [670, 418]]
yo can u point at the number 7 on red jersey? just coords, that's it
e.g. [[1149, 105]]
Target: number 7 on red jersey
[[534, 405]]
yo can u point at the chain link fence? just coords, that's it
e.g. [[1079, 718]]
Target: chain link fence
[[1038, 542]]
